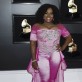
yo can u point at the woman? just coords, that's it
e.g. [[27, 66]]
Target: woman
[[47, 64]]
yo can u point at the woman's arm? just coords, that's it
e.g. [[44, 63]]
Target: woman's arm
[[68, 39], [33, 49], [33, 54]]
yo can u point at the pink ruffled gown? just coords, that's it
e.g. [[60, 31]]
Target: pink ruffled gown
[[50, 61]]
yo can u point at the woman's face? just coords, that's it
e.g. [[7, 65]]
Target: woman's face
[[48, 16]]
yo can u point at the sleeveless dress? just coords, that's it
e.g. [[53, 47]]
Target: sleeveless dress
[[50, 61]]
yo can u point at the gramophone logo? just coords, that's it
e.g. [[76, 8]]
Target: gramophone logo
[[72, 6], [26, 26]]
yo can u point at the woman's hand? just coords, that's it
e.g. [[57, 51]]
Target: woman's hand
[[59, 48], [35, 65]]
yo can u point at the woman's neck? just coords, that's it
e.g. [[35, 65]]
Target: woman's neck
[[48, 25]]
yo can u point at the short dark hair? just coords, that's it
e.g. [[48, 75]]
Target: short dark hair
[[42, 10]]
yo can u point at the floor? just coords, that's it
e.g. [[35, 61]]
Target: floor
[[71, 75]]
